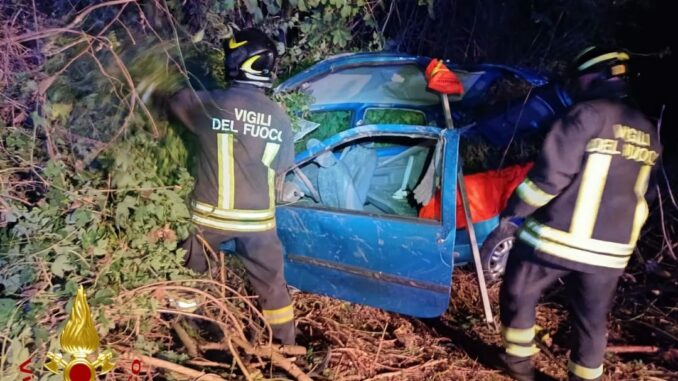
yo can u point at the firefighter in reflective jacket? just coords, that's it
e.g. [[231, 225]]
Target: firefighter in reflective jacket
[[244, 138], [583, 203]]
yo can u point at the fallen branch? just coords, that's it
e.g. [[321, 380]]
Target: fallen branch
[[267, 352], [289, 350], [81, 16], [404, 372], [276, 358], [238, 360], [632, 349], [381, 343], [207, 363], [182, 370], [657, 329], [186, 339]]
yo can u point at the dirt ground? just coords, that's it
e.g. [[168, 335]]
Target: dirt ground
[[353, 342]]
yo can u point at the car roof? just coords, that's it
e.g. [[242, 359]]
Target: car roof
[[393, 78]]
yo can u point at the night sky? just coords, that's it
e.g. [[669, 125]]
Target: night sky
[[655, 83]]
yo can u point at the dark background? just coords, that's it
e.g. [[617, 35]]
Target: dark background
[[655, 83], [546, 35]]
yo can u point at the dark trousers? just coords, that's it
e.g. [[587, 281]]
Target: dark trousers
[[261, 254], [590, 296]]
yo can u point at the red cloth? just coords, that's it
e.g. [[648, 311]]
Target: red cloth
[[431, 210], [488, 192], [441, 79]]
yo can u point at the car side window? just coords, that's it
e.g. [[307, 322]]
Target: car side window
[[375, 175]]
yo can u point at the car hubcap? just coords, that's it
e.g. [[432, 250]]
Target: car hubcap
[[499, 257]]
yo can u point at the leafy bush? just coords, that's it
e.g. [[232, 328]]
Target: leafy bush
[[94, 180]]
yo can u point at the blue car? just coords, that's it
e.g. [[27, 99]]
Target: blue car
[[367, 163]]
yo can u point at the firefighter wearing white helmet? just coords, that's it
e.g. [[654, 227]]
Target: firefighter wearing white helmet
[[583, 204], [245, 139]]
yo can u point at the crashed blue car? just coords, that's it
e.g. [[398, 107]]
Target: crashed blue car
[[350, 220]]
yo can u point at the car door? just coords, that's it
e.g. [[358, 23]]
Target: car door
[[398, 263]]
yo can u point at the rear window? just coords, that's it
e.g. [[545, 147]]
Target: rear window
[[394, 116], [331, 123]]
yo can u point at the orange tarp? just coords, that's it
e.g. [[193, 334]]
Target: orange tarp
[[488, 192]]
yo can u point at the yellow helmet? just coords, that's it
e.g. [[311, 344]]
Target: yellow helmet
[[608, 62], [250, 56]]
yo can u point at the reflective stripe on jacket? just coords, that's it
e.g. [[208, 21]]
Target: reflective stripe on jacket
[[244, 139], [587, 195]]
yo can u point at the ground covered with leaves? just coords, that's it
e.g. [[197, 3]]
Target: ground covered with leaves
[[353, 342], [93, 184]]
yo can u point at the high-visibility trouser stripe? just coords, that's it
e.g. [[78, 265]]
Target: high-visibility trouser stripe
[[241, 226], [280, 315], [529, 192], [232, 214], [590, 194], [642, 210], [568, 239], [270, 152], [226, 160], [584, 372], [518, 335], [520, 350], [519, 341], [573, 254]]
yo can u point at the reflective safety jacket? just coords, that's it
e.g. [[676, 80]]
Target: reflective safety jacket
[[587, 195], [244, 138]]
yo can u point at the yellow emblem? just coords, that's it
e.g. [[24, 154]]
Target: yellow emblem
[[232, 43], [79, 339]]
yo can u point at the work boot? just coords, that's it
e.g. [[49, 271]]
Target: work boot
[[284, 334], [518, 368]]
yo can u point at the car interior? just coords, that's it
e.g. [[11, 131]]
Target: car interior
[[371, 174]]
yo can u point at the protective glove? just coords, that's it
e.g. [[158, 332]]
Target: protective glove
[[152, 80], [507, 227], [145, 89], [291, 192]]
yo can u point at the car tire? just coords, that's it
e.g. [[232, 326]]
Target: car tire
[[494, 254]]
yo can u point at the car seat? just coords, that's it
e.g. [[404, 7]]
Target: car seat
[[335, 183], [361, 162]]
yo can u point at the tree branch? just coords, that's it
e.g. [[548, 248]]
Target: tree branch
[[175, 368]]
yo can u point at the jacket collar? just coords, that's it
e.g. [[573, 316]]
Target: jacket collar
[[251, 84]]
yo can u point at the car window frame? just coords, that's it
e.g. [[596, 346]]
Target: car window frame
[[357, 135]]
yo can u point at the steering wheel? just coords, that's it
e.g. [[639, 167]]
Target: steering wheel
[[304, 179]]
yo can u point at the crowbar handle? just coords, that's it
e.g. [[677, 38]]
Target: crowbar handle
[[489, 318]]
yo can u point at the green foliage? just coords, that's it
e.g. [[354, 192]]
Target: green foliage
[[81, 223], [394, 116], [320, 27], [331, 26], [331, 123], [94, 195], [296, 104], [113, 226]]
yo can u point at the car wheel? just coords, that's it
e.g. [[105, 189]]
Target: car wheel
[[494, 255]]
